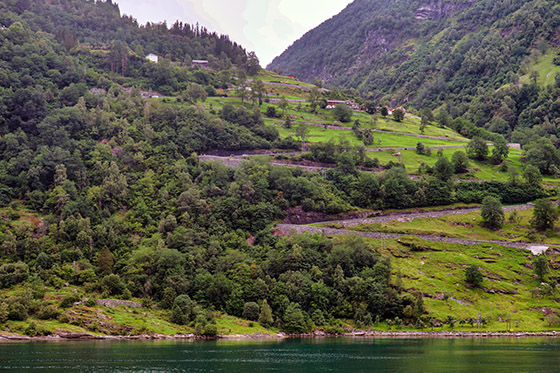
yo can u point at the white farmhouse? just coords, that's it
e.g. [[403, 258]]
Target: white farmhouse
[[152, 57]]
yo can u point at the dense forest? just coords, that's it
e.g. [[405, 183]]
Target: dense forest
[[464, 58]]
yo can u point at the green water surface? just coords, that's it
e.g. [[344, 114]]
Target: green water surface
[[293, 355]]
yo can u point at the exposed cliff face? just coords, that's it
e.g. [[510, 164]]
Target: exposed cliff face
[[366, 30], [438, 9]]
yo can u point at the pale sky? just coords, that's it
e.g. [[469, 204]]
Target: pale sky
[[267, 27]]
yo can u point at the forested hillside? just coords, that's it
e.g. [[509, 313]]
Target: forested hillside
[[466, 58], [103, 193]]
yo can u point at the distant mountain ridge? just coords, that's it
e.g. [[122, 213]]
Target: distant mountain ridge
[[424, 52]]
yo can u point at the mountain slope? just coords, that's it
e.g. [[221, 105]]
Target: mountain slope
[[423, 51]]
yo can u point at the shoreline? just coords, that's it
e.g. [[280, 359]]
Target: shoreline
[[450, 334]]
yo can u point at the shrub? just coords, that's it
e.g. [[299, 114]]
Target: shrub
[[113, 285], [13, 273], [17, 311], [271, 112], [63, 318], [91, 302], [4, 313], [47, 312], [473, 275], [69, 300], [210, 330]]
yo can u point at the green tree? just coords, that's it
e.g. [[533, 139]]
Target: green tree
[[283, 104], [371, 107], [342, 113], [532, 176], [460, 162], [383, 111], [368, 137], [420, 148], [443, 118], [258, 90], [301, 131], [251, 311], [313, 99], [105, 261], [443, 169], [183, 310], [113, 284], [427, 113], [294, 320], [540, 267], [242, 90], [544, 155], [398, 115], [501, 149], [545, 215], [288, 122], [473, 275], [477, 149], [196, 92], [265, 316], [423, 124], [43, 261], [252, 66], [492, 213]]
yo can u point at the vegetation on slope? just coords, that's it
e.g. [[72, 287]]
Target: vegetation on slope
[[470, 59], [103, 195]]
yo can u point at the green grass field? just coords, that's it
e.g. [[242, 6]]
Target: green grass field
[[382, 139], [505, 292], [467, 226], [387, 141], [545, 68]]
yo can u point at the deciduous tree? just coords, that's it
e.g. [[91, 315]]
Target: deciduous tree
[[492, 213]]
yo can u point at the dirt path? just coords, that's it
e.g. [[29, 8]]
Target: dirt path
[[235, 161], [235, 158], [418, 215], [291, 228]]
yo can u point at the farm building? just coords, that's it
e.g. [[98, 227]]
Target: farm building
[[351, 104], [200, 63], [152, 57]]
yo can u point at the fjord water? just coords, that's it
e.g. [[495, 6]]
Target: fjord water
[[293, 355]]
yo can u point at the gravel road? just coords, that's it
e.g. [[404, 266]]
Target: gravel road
[[418, 215], [292, 228]]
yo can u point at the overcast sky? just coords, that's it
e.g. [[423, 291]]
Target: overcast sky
[[267, 27]]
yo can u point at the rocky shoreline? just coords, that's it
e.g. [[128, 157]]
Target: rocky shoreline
[[69, 336]]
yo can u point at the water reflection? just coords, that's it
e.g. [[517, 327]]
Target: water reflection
[[292, 355]]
